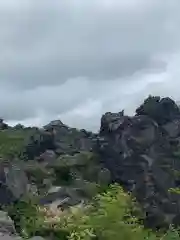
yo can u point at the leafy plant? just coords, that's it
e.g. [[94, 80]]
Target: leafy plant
[[109, 216]]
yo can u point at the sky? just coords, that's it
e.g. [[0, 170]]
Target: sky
[[77, 59]]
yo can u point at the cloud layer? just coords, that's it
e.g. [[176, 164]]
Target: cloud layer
[[76, 59]]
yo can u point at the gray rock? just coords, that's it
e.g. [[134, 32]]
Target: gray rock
[[14, 183], [61, 197], [37, 238], [48, 156], [172, 128], [6, 224], [16, 180], [57, 139], [140, 157], [9, 237], [104, 176]]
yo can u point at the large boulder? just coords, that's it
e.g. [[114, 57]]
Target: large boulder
[[172, 128], [3, 125], [6, 225], [162, 110], [140, 156], [60, 198], [13, 181], [37, 143], [69, 140], [57, 139]]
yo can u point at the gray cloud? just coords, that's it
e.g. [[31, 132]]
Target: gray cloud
[[75, 59]]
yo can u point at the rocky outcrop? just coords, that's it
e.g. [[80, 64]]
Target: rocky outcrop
[[3, 125], [75, 179], [6, 225], [162, 110], [57, 139], [13, 181], [140, 152]]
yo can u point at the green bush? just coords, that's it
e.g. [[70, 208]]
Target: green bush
[[109, 216], [26, 217], [12, 142]]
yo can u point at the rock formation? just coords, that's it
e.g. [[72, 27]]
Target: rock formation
[[140, 152], [64, 165]]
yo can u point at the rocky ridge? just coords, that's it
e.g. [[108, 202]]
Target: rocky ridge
[[64, 166]]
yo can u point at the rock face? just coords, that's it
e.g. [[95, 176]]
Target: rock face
[[3, 125], [142, 153], [57, 139], [76, 179], [13, 181], [162, 110], [6, 225]]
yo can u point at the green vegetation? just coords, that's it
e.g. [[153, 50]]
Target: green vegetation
[[109, 213], [109, 216], [12, 142]]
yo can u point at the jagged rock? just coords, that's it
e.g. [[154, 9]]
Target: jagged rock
[[60, 197], [58, 139], [104, 177], [140, 157], [64, 197], [38, 143], [39, 176], [14, 183], [3, 125], [6, 224], [142, 153], [54, 124], [162, 110], [48, 156], [172, 128]]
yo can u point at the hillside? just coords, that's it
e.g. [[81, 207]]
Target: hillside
[[58, 167]]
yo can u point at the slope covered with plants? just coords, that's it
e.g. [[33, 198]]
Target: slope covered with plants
[[59, 182]]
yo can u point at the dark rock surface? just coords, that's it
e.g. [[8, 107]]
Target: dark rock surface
[[140, 152], [58, 139], [6, 225], [13, 182], [3, 125], [162, 110]]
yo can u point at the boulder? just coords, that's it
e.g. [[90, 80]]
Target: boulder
[[37, 143], [6, 225], [3, 125], [57, 139], [60, 197], [172, 128], [162, 110], [13, 181], [48, 156], [140, 157]]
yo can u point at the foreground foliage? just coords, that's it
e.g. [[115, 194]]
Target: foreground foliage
[[109, 216]]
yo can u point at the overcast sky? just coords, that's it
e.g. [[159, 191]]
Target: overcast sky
[[76, 59]]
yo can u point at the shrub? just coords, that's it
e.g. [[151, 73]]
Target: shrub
[[109, 216]]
